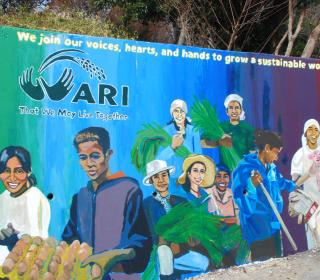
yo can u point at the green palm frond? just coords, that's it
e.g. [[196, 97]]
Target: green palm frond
[[147, 144], [206, 121], [185, 221]]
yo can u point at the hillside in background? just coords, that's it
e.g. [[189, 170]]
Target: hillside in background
[[281, 27]]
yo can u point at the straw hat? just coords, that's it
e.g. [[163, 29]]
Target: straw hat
[[154, 167], [210, 169]]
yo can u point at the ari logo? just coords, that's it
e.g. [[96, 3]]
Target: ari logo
[[64, 84]]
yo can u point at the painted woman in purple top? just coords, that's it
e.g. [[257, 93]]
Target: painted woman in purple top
[[108, 213]]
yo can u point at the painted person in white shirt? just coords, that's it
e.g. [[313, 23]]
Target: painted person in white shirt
[[24, 209], [304, 167]]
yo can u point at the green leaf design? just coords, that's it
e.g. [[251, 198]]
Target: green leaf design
[[205, 120], [147, 144]]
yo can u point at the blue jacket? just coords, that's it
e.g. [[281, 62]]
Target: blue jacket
[[257, 219], [111, 217]]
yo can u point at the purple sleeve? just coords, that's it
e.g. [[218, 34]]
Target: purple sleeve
[[135, 233]]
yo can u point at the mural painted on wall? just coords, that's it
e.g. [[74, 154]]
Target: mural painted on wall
[[126, 160]]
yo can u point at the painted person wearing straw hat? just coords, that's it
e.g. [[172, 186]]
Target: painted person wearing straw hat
[[182, 133], [305, 169], [238, 133], [174, 259], [198, 174], [260, 226]]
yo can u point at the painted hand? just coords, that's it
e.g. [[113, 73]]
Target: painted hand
[[7, 232], [105, 261], [225, 141], [193, 242], [256, 178], [61, 88], [299, 204], [25, 81], [177, 140]]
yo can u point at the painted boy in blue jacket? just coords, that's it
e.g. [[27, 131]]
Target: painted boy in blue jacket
[[259, 224]]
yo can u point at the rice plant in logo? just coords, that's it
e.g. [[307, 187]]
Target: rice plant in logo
[[62, 87]]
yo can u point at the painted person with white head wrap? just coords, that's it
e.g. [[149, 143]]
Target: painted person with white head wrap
[[238, 133], [304, 168], [182, 133]]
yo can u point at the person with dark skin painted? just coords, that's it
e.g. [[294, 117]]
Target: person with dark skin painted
[[107, 213], [238, 133], [223, 196], [260, 226]]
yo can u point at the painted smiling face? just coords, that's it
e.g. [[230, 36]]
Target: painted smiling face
[[234, 110], [92, 159], [222, 180], [197, 174], [179, 116], [14, 177], [160, 182], [312, 135]]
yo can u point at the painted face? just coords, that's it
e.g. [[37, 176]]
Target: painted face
[[312, 135], [222, 180], [197, 173], [161, 181], [14, 177], [179, 116], [92, 159], [234, 110], [272, 154]]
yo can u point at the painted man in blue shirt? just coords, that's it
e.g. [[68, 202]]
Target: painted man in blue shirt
[[259, 224]]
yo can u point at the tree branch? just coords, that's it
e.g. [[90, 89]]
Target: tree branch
[[293, 37], [309, 47]]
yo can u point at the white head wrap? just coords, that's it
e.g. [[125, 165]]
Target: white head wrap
[[239, 99], [178, 103], [307, 124]]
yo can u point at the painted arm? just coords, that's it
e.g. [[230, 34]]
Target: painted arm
[[135, 234], [45, 217], [284, 183], [244, 192], [34, 208], [70, 232], [196, 143], [132, 253]]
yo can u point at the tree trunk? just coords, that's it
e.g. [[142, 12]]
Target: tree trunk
[[183, 30], [313, 38], [285, 35], [293, 37]]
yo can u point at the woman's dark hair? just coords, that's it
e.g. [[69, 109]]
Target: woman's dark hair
[[186, 122], [23, 156], [264, 137], [187, 185]]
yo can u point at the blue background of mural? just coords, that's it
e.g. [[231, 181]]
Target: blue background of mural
[[275, 98]]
